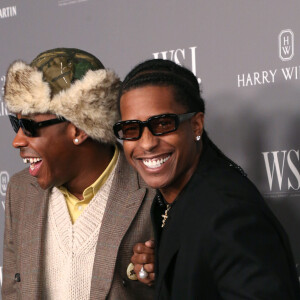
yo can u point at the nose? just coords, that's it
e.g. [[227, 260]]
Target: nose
[[20, 140], [148, 141]]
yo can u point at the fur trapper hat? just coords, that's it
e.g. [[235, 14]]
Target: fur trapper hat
[[70, 83]]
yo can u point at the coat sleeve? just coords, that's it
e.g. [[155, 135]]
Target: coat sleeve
[[251, 256], [9, 290]]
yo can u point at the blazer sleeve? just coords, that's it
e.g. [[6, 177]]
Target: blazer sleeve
[[9, 290], [251, 257]]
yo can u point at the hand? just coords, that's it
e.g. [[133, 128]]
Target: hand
[[143, 255]]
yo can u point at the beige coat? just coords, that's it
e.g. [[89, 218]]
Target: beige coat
[[126, 221]]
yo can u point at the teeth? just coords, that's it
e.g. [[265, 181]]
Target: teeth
[[155, 163], [31, 160]]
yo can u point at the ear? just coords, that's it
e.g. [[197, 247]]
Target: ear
[[198, 123], [77, 135]]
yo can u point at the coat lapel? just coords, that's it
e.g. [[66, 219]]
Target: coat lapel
[[124, 201], [169, 238], [33, 224]]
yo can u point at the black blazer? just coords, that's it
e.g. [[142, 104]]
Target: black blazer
[[221, 241]]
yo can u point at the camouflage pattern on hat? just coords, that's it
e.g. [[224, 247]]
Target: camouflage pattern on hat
[[62, 66]]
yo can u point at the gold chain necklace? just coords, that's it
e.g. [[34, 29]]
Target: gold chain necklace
[[165, 216]]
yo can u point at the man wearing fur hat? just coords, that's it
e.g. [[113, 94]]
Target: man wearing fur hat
[[73, 218]]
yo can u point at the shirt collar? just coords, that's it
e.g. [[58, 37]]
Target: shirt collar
[[91, 191]]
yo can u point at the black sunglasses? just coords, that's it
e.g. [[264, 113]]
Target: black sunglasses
[[30, 127], [158, 125]]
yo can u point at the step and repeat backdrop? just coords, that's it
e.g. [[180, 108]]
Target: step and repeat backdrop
[[246, 55]]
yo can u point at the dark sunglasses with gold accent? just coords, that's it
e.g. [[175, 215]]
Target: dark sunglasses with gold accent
[[158, 125], [30, 127]]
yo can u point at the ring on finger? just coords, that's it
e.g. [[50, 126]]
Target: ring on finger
[[143, 273]]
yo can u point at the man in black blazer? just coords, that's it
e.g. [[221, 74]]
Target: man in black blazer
[[235, 249], [215, 236]]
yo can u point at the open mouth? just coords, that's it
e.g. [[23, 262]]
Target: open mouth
[[32, 161], [35, 163], [155, 162]]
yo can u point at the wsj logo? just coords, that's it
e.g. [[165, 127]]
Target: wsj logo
[[285, 165], [178, 56], [286, 44], [4, 178]]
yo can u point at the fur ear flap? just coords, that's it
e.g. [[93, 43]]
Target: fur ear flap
[[91, 104], [25, 91]]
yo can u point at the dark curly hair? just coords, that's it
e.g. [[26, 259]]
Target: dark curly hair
[[161, 72]]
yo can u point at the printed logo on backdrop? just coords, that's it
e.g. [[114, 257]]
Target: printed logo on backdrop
[[3, 109], [4, 178], [286, 49], [282, 172], [286, 44], [181, 56], [8, 12], [68, 2]]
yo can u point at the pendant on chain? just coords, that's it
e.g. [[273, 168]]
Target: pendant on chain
[[165, 216]]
